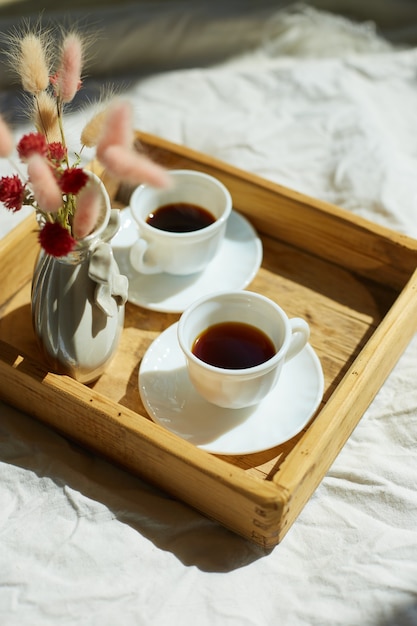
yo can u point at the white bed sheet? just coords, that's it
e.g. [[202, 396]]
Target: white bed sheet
[[329, 109]]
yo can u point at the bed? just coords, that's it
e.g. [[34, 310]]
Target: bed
[[318, 97]]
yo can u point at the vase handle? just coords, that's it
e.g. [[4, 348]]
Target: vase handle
[[111, 284], [112, 226]]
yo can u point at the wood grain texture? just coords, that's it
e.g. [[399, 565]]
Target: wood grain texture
[[321, 228], [354, 283]]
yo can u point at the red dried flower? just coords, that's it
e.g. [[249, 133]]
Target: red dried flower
[[56, 240], [32, 143], [56, 151], [12, 192], [73, 180]]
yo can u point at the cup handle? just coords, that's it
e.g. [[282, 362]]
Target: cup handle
[[300, 335], [137, 258]]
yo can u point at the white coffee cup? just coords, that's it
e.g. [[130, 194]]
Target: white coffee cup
[[237, 388], [179, 253]]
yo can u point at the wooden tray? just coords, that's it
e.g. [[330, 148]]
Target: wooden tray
[[355, 283]]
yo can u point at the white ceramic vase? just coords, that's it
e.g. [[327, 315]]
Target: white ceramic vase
[[78, 303]]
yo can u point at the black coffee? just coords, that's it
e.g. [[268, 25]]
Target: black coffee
[[180, 217], [233, 345]]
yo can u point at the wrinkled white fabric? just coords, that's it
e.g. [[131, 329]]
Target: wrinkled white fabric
[[327, 108]]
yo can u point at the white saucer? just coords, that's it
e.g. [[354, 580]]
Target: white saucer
[[171, 401], [234, 266]]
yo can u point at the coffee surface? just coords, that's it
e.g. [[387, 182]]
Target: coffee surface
[[180, 217], [233, 345]]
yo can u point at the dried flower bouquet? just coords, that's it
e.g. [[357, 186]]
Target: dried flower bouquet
[[59, 189]]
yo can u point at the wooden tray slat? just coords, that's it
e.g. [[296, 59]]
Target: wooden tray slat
[[337, 419], [353, 281], [307, 223]]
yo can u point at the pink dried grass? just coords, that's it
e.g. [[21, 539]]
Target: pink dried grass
[[110, 131], [69, 72], [115, 150], [6, 139], [134, 168], [87, 210], [44, 186], [117, 127]]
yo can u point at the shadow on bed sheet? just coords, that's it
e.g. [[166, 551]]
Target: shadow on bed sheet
[[73, 474], [402, 616]]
